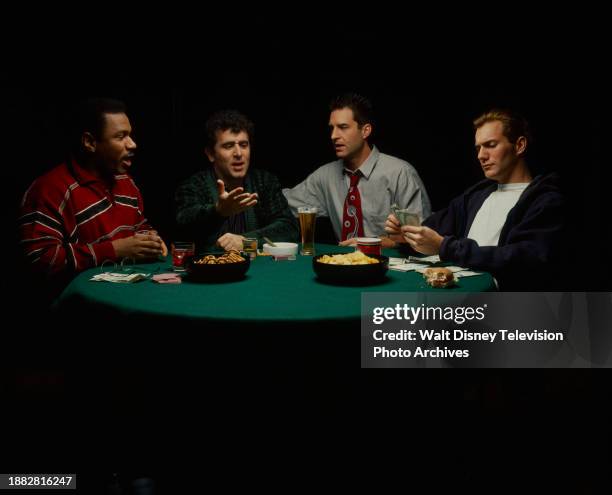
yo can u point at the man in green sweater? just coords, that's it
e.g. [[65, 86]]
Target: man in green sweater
[[223, 204]]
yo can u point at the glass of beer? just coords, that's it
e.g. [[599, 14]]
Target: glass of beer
[[249, 246], [308, 215]]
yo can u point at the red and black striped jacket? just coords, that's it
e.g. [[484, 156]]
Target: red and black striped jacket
[[69, 218]]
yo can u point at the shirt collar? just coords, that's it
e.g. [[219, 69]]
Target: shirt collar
[[81, 174], [84, 175], [366, 167], [514, 186]]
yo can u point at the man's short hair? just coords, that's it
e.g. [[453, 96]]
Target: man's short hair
[[89, 116], [514, 125], [363, 112], [225, 120]]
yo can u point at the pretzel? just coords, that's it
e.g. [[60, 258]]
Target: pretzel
[[227, 258]]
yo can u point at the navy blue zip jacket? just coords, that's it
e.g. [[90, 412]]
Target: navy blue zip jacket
[[530, 242]]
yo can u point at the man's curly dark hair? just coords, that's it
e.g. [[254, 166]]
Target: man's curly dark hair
[[224, 120]]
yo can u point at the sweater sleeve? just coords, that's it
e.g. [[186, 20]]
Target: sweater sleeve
[[196, 215], [47, 235], [445, 221], [276, 220]]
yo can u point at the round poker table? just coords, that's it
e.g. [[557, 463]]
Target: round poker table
[[279, 337], [273, 292]]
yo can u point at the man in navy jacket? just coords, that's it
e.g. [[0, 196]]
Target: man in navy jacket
[[509, 224]]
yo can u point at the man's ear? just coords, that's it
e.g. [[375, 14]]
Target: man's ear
[[366, 130], [88, 142], [209, 155], [520, 146]]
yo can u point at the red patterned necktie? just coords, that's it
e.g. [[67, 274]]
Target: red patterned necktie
[[352, 216]]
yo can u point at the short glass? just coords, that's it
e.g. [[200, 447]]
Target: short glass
[[180, 251], [249, 246], [308, 219]]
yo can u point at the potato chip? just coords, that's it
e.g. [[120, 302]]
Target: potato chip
[[356, 258]]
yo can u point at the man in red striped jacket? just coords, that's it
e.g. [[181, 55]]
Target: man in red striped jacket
[[88, 210]]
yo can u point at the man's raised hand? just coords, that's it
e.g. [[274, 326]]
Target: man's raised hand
[[234, 201]]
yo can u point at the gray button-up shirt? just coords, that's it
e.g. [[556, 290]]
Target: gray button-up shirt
[[386, 180]]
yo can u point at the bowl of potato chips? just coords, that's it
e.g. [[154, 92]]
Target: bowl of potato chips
[[351, 269], [217, 267]]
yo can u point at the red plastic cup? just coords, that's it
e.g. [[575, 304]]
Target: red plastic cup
[[369, 245]]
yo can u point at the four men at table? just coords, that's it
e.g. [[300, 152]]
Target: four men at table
[[88, 209]]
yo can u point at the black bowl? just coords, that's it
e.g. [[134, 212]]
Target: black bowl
[[227, 272], [352, 274]]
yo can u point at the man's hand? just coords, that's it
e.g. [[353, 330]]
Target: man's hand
[[140, 247], [235, 201], [392, 225], [230, 241], [393, 228], [386, 242], [423, 239]]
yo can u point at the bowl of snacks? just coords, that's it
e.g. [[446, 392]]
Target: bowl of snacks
[[352, 268], [219, 267]]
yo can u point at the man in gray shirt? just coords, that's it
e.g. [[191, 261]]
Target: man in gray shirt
[[357, 190]]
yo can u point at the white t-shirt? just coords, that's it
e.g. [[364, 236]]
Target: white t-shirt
[[491, 217]]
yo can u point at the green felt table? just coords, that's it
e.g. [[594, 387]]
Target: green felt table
[[272, 291]]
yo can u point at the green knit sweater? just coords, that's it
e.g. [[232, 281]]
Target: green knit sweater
[[199, 221]]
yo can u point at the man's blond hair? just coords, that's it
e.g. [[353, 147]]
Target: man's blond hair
[[514, 125]]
